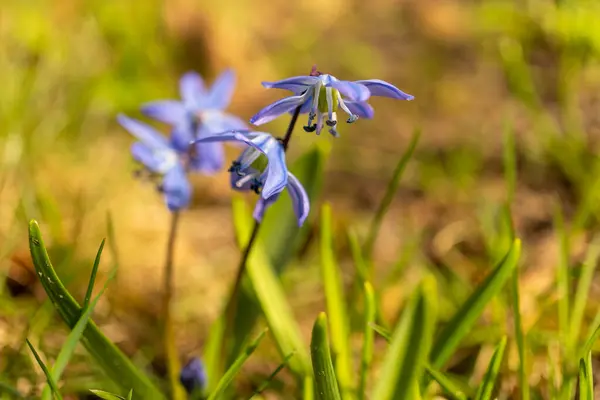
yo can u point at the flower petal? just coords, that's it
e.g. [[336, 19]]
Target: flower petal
[[221, 91], [228, 136], [193, 376], [218, 121], [360, 108], [191, 90], [168, 111], [176, 188], [300, 200], [352, 90], [182, 135], [377, 87], [159, 161], [278, 108], [296, 84], [207, 157], [145, 133]]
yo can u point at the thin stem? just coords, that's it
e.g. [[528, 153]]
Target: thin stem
[[173, 364], [288, 134]]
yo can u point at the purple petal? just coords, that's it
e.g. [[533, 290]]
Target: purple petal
[[218, 121], [261, 206], [360, 108], [221, 91], [209, 157], [377, 87], [176, 188], [191, 89], [297, 84], [276, 109], [228, 136], [168, 111], [145, 133], [182, 135], [300, 200], [352, 90], [159, 161]]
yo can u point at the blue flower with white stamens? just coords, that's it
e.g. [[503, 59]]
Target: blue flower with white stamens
[[321, 95]]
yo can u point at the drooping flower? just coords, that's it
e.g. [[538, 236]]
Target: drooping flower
[[193, 376], [161, 161], [322, 95], [198, 114], [261, 168]]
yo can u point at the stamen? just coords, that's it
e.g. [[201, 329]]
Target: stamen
[[334, 132], [241, 182], [310, 127], [329, 94], [353, 117], [332, 121]]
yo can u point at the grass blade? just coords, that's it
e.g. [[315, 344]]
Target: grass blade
[[489, 380], [263, 386], [519, 336], [408, 351], [212, 356], [106, 395], [49, 378], [562, 278], [390, 192], [226, 380], [325, 379], [586, 378], [112, 361], [368, 339], [308, 390], [90, 289], [467, 315], [384, 333], [583, 290], [270, 295], [130, 395], [450, 388], [336, 309]]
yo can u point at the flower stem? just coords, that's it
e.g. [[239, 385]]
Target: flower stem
[[173, 364], [231, 307]]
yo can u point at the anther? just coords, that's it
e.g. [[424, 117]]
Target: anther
[[352, 118], [334, 132], [310, 128], [331, 123]]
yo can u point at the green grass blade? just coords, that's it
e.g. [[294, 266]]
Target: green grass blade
[[453, 391], [280, 230], [212, 357], [308, 389], [336, 306], [407, 355], [76, 333], [586, 378], [90, 289], [235, 368], [519, 336], [462, 322], [384, 333], [112, 361], [583, 289], [489, 380], [510, 160], [130, 395], [390, 192], [49, 378], [562, 278], [368, 340], [265, 384], [270, 295], [325, 379], [106, 395]]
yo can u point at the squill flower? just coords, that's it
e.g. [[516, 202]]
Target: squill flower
[[161, 160], [322, 95], [193, 376], [261, 168], [198, 114]]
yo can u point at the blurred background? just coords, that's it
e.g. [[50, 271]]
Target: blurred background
[[476, 68]]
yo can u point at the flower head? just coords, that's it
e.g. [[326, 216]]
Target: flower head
[[261, 168], [193, 376], [161, 161], [322, 95], [199, 113]]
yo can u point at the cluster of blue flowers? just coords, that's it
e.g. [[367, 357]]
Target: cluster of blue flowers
[[199, 125]]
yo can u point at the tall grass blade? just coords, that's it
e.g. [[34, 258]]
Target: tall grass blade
[[106, 395], [235, 368], [407, 355], [112, 361], [562, 278], [90, 288], [388, 197], [325, 379], [368, 340], [586, 378], [270, 295], [489, 380], [462, 322], [453, 391], [520, 336], [263, 386], [49, 378], [336, 305], [384, 333]]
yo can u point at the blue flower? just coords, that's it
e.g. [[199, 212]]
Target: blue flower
[[193, 376], [320, 95], [162, 160], [261, 168], [200, 113]]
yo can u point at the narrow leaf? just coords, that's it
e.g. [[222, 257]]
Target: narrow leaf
[[49, 378], [519, 336], [90, 289], [308, 389], [462, 322], [390, 192], [489, 380], [450, 388], [562, 277], [368, 339], [265, 384], [235, 368], [336, 309], [384, 333], [112, 361], [586, 378], [325, 379], [106, 395], [406, 357]]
